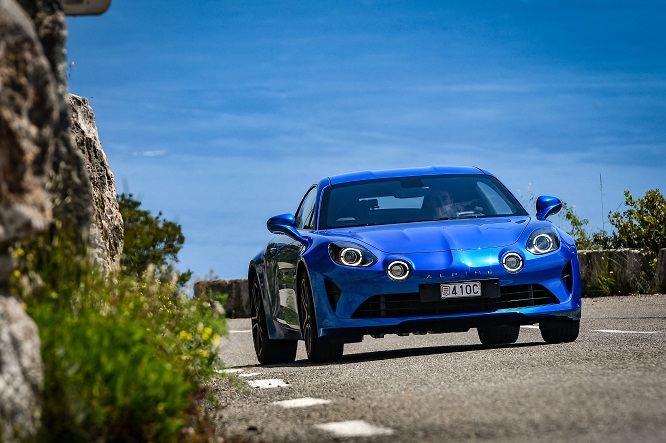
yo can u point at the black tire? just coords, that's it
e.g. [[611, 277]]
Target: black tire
[[498, 334], [268, 351], [319, 350], [559, 331]]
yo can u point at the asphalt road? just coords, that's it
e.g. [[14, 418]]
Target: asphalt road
[[609, 385]]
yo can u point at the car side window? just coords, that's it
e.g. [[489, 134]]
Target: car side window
[[306, 211]]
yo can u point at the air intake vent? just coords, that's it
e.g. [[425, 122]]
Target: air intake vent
[[410, 305], [567, 276], [333, 293]]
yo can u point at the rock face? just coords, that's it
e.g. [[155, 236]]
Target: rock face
[[28, 115], [237, 304], [106, 232], [69, 186], [21, 372], [44, 184], [29, 126]]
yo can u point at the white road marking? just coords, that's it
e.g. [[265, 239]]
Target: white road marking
[[268, 383], [250, 374], [608, 331], [229, 371], [354, 428], [616, 331], [301, 402]]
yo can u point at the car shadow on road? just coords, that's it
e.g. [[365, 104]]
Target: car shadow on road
[[430, 350], [411, 352]]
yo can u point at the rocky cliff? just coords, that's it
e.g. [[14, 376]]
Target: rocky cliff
[[29, 117], [45, 184], [106, 230]]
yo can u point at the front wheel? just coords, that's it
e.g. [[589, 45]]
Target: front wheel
[[498, 334], [559, 331], [319, 349], [268, 351]]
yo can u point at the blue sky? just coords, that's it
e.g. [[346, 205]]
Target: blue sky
[[221, 113]]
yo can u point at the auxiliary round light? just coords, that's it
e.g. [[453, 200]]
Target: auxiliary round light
[[398, 270], [351, 256], [513, 262]]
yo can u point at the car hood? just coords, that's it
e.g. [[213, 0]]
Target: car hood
[[439, 235]]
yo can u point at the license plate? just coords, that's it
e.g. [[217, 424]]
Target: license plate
[[460, 290]]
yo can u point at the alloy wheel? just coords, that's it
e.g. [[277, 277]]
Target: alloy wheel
[[258, 320]]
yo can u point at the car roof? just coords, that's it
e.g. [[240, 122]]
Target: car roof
[[409, 172]]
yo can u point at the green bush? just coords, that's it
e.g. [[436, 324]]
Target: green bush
[[584, 239], [149, 241], [125, 357], [103, 382], [642, 224]]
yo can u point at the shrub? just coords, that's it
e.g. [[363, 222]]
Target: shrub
[[584, 239], [643, 224], [103, 382], [149, 241], [125, 357]]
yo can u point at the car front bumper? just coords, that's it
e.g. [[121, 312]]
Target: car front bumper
[[359, 301]]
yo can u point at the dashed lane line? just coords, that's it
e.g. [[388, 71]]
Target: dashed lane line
[[344, 429], [249, 374], [354, 428], [607, 331], [305, 402], [268, 383]]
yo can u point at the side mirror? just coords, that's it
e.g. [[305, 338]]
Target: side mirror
[[285, 224], [547, 206]]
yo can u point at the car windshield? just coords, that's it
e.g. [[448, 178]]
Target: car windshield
[[414, 199]]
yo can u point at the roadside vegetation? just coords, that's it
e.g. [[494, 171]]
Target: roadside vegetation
[[150, 241], [127, 355], [642, 225]]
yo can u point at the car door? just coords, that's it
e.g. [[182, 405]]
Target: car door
[[286, 262], [278, 256]]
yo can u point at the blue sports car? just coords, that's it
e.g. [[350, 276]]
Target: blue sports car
[[438, 249]]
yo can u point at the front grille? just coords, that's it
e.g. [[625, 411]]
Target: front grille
[[410, 305]]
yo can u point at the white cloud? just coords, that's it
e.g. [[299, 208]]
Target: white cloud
[[150, 154]]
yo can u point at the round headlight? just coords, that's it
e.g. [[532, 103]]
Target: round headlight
[[543, 241], [512, 262], [398, 270], [351, 256]]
